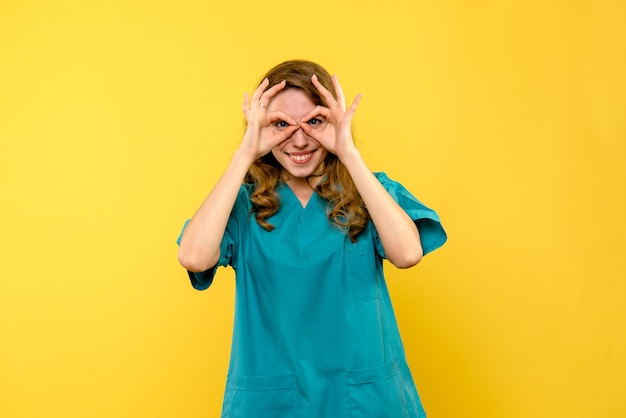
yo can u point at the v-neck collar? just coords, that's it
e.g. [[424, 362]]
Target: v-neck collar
[[293, 196]]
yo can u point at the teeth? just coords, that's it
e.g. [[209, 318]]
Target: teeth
[[300, 157]]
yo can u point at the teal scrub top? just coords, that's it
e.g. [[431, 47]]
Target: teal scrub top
[[315, 333]]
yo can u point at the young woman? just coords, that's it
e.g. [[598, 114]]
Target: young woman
[[306, 226]]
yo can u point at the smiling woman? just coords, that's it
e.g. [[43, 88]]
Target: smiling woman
[[315, 334], [298, 78], [301, 157]]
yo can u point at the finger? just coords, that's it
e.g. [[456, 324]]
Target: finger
[[267, 96], [322, 111], [308, 130], [341, 98], [246, 103], [317, 136], [259, 91], [277, 137], [278, 115], [284, 134], [327, 95], [354, 105]]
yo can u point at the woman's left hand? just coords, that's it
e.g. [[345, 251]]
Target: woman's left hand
[[334, 129]]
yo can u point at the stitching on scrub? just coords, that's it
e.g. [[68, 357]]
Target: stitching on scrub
[[374, 374], [261, 383]]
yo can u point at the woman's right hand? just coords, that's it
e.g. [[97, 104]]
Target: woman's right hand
[[259, 138]]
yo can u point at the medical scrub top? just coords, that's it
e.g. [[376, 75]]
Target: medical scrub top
[[315, 334]]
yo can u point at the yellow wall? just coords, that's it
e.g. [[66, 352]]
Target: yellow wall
[[507, 117]]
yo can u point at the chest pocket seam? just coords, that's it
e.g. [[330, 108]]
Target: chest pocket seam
[[362, 278]]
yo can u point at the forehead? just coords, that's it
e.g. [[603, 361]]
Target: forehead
[[293, 102]]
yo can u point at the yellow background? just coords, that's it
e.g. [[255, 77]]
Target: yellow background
[[117, 117]]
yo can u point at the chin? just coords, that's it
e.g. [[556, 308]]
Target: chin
[[301, 174]]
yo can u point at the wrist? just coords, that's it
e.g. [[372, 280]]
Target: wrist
[[349, 155], [245, 155]]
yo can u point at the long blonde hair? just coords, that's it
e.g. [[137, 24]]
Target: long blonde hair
[[345, 206]]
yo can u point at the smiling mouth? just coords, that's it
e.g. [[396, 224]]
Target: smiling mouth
[[301, 157]]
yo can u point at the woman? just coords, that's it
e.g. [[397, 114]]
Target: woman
[[315, 333]]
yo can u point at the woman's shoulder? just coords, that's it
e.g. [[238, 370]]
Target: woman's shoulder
[[243, 197], [381, 176], [247, 188], [385, 180]]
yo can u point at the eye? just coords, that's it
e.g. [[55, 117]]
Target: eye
[[315, 122], [281, 124]]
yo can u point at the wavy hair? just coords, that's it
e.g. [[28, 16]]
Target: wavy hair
[[345, 206]]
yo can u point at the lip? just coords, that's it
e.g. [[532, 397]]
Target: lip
[[300, 157]]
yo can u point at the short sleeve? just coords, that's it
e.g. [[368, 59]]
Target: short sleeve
[[228, 245], [432, 234]]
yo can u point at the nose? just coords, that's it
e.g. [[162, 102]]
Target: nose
[[299, 138]]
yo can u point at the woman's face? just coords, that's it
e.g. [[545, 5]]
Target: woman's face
[[299, 154]]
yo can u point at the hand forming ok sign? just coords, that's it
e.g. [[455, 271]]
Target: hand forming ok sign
[[336, 134], [258, 140]]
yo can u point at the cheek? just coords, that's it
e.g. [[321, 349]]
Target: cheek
[[277, 153], [323, 154]]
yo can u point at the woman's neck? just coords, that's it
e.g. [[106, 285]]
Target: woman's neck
[[302, 188]]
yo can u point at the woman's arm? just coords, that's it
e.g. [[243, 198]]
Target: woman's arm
[[199, 248], [200, 243], [397, 231]]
